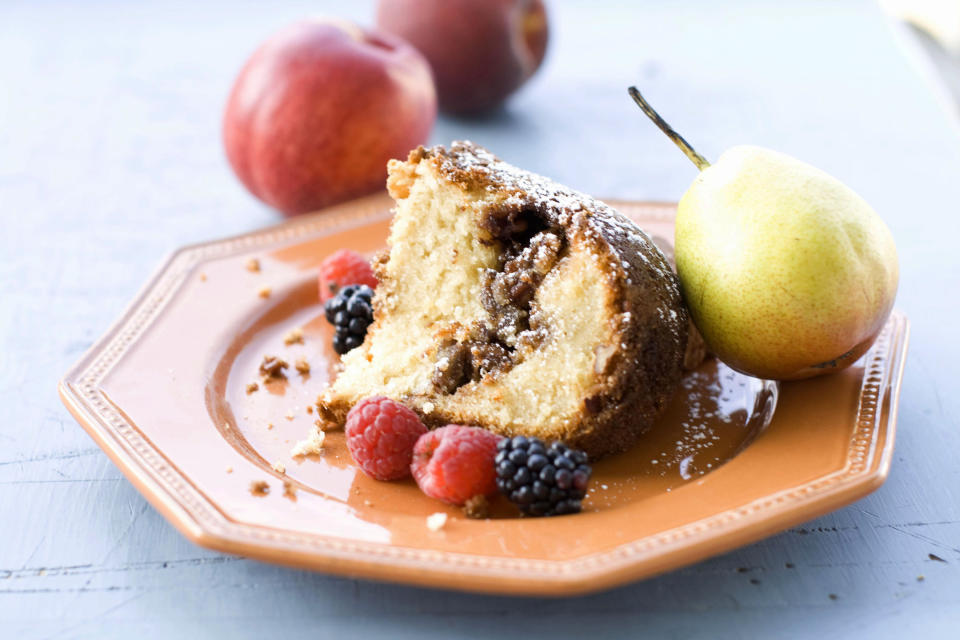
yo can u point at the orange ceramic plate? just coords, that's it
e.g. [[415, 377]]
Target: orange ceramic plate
[[164, 393]]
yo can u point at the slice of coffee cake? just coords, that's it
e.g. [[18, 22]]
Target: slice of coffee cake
[[510, 302]]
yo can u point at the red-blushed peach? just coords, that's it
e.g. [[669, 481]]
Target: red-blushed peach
[[320, 108], [480, 51]]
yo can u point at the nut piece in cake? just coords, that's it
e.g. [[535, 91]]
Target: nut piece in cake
[[512, 303]]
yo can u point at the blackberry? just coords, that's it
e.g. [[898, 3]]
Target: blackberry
[[542, 480], [351, 312]]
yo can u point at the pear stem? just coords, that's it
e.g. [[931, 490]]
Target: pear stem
[[678, 140]]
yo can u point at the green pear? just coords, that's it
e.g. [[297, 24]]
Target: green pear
[[786, 271]]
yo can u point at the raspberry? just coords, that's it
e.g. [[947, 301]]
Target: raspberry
[[381, 434], [341, 268], [455, 463]]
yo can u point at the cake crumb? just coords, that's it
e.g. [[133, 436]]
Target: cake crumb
[[312, 445], [269, 425], [253, 265], [289, 415], [259, 488], [302, 366], [279, 467], [229, 469], [253, 386], [436, 521], [309, 408], [272, 367], [264, 292], [203, 277], [294, 336], [289, 491], [477, 507]]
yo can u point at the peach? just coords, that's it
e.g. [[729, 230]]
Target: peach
[[480, 51], [320, 108]]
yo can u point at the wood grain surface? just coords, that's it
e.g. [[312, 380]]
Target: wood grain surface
[[110, 157]]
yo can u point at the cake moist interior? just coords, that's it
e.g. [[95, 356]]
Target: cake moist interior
[[509, 302], [528, 250]]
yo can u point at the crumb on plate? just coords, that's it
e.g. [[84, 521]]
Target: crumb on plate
[[312, 445], [477, 507], [435, 521], [323, 425], [294, 336], [272, 367], [302, 366]]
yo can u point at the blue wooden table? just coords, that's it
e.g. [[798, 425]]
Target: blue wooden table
[[110, 157]]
